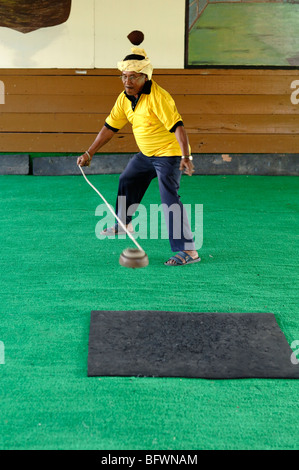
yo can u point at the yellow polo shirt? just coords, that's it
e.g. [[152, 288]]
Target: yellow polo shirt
[[152, 119]]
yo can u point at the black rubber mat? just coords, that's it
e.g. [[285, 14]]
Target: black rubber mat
[[14, 164], [194, 345], [57, 166]]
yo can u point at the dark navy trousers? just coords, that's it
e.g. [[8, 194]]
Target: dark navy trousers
[[135, 180]]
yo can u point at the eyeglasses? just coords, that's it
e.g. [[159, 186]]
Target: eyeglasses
[[130, 78]]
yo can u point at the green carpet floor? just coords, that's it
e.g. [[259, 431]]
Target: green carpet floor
[[54, 271]]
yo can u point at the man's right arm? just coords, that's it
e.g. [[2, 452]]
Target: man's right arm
[[102, 138]]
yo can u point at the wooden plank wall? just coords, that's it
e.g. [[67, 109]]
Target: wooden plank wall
[[225, 111]]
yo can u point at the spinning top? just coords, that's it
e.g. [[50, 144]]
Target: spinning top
[[133, 258], [136, 37]]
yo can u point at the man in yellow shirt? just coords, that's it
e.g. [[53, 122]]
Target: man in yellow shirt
[[164, 151]]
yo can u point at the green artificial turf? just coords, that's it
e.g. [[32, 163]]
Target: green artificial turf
[[54, 271]]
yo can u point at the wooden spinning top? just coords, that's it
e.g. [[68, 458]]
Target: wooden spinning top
[[133, 258]]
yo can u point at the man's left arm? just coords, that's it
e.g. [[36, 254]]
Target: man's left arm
[[182, 138]]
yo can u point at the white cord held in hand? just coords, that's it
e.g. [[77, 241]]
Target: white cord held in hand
[[112, 211]]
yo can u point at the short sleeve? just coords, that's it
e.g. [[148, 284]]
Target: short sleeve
[[117, 118], [165, 109]]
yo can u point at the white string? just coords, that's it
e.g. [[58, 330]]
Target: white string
[[112, 211]]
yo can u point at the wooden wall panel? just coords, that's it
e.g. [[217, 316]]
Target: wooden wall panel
[[176, 84], [125, 143], [225, 111]]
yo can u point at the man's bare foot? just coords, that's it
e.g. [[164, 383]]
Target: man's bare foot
[[117, 229], [174, 262]]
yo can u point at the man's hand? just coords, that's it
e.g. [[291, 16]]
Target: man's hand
[[84, 160], [187, 166], [102, 138]]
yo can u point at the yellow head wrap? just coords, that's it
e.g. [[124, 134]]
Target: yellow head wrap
[[138, 65]]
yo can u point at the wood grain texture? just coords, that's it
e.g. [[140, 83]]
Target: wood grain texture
[[224, 111], [29, 15], [125, 143]]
